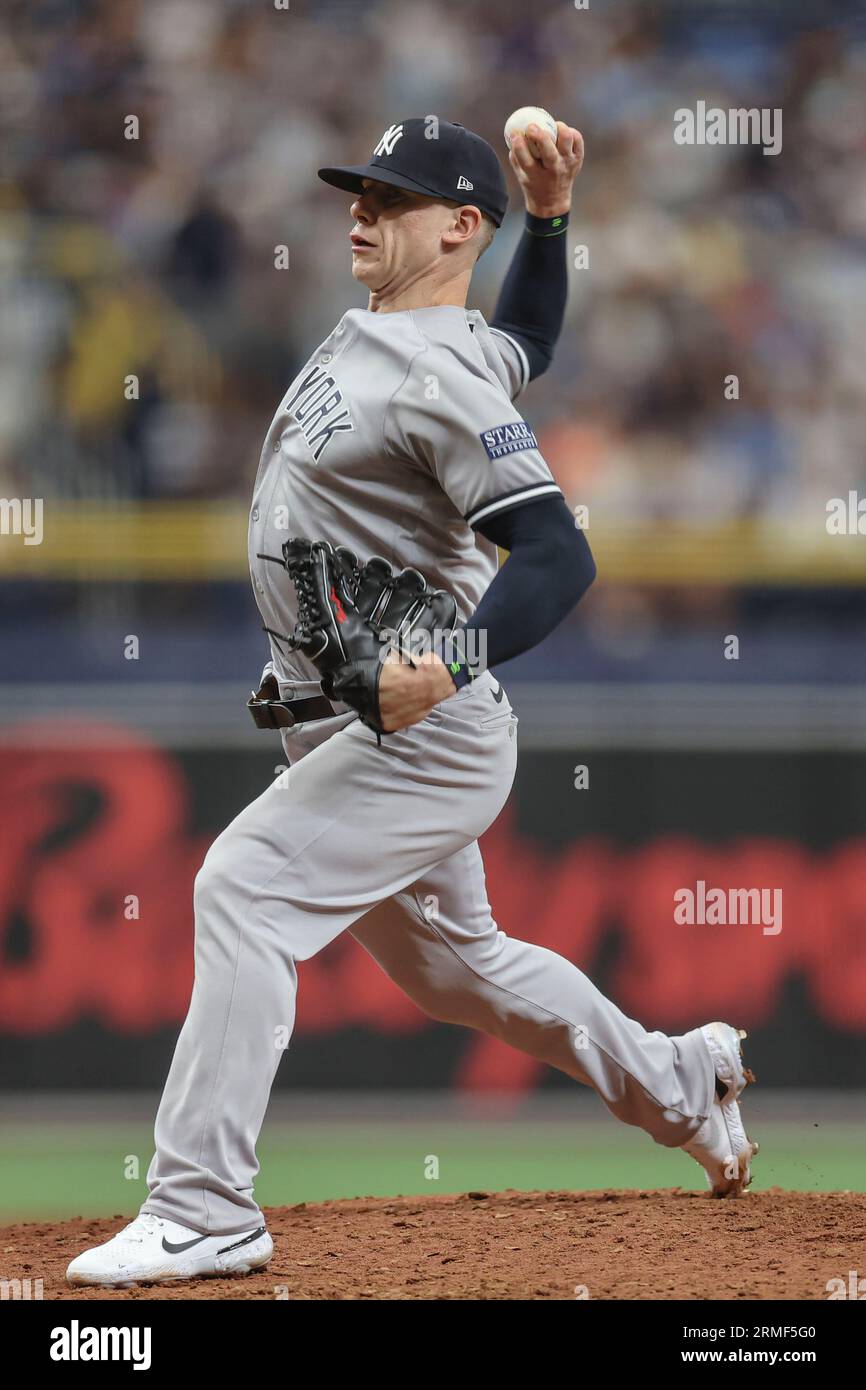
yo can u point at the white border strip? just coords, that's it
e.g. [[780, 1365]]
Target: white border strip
[[512, 499], [524, 360]]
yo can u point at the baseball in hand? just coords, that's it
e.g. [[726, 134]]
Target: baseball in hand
[[527, 115]]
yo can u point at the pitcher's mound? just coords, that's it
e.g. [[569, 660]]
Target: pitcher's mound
[[509, 1245]]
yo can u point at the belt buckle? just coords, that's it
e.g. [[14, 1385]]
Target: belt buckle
[[263, 713]]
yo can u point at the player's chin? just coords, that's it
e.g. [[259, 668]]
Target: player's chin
[[364, 269]]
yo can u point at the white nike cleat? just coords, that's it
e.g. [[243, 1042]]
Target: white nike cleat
[[721, 1145], [151, 1250]]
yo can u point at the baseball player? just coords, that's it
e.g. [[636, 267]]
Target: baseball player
[[400, 437]]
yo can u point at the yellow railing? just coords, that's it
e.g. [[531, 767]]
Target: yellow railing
[[144, 541], [200, 541]]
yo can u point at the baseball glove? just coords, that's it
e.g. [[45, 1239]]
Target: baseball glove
[[350, 616]]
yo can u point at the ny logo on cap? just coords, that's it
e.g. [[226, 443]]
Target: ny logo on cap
[[463, 183], [389, 140]]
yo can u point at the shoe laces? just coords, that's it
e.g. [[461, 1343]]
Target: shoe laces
[[144, 1225]]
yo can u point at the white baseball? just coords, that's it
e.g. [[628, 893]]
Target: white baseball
[[526, 115]]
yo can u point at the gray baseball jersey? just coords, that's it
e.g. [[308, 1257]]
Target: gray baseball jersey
[[397, 438], [397, 435]]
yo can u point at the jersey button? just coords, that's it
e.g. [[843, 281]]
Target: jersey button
[[259, 587], [277, 447], [255, 513], [325, 357]]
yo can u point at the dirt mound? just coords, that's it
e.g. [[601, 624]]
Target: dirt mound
[[510, 1245]]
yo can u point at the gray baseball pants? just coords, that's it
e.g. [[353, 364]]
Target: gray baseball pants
[[382, 842]]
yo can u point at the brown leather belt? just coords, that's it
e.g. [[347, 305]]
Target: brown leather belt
[[283, 714]]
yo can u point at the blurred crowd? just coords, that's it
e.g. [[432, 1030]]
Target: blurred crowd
[[154, 256]]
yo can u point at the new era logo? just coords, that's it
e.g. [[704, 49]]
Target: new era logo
[[389, 140], [463, 183]]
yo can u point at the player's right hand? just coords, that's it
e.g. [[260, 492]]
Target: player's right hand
[[546, 170]]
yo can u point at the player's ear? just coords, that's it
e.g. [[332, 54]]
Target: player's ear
[[464, 224]]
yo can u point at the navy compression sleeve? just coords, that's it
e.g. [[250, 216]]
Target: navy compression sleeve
[[531, 303], [549, 569]]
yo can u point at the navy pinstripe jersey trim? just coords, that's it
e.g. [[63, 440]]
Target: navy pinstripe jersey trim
[[515, 498], [521, 357]]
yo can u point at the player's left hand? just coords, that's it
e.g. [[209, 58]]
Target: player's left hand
[[545, 169], [408, 693]]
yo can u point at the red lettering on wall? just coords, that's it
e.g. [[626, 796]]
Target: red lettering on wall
[[84, 826], [81, 829]]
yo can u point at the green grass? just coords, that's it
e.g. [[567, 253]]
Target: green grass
[[57, 1170]]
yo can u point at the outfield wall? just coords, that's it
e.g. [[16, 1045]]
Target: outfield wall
[[102, 829]]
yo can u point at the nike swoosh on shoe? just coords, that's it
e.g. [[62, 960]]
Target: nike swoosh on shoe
[[171, 1249]]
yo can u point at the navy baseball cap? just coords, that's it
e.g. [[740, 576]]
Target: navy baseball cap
[[438, 158]]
